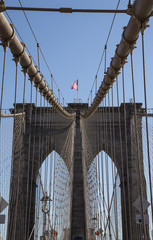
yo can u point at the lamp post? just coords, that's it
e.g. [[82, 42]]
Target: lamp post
[[45, 209]]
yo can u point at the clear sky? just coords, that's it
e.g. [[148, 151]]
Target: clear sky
[[73, 45]]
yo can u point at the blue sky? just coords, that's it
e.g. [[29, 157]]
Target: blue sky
[[73, 45]]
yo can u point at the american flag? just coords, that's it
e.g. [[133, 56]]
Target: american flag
[[75, 85]]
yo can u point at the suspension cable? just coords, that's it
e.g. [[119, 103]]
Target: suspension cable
[[114, 159], [146, 116], [17, 195], [38, 45], [122, 51], [7, 33], [105, 47], [3, 77], [137, 145], [126, 150], [121, 155]]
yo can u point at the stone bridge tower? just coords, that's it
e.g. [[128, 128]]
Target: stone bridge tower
[[36, 137]]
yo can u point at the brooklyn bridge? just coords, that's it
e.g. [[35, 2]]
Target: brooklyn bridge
[[81, 170]]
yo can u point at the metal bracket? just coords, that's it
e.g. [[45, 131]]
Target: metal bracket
[[4, 45], [38, 83], [66, 10], [5, 42], [144, 25], [32, 78], [130, 10], [2, 6], [17, 57]]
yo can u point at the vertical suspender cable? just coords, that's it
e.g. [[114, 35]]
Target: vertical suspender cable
[[146, 116], [30, 160], [99, 167], [33, 159], [121, 152], [104, 161], [53, 203], [33, 154], [24, 87], [43, 149], [137, 144], [129, 4], [102, 172], [17, 195], [16, 77], [52, 83], [126, 149], [98, 170], [38, 56], [95, 84], [3, 77], [1, 104], [111, 147], [107, 170], [114, 159], [28, 172], [105, 58], [58, 95]]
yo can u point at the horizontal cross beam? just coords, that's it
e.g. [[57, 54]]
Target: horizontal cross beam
[[66, 10]]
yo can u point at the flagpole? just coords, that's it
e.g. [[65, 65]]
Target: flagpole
[[78, 92]]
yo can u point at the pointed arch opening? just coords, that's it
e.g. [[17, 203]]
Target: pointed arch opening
[[104, 198], [52, 208]]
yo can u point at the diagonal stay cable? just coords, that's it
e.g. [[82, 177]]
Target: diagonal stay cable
[[101, 59], [7, 34], [19, 35], [34, 35], [110, 30], [129, 38], [30, 52]]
